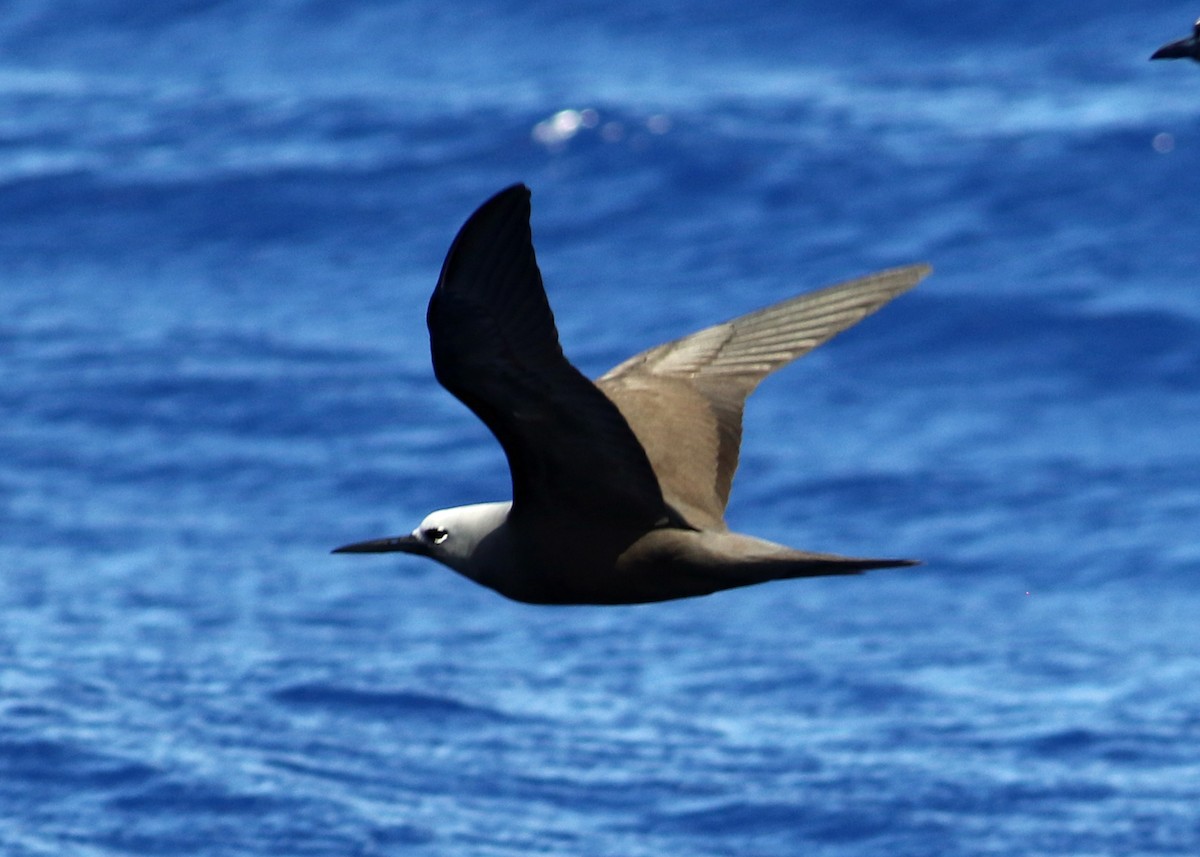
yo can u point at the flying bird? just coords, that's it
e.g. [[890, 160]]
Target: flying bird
[[1182, 49], [619, 486]]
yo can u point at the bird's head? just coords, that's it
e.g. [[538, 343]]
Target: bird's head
[[468, 539]]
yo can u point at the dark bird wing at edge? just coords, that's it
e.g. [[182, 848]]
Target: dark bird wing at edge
[[495, 347], [1188, 48], [684, 398]]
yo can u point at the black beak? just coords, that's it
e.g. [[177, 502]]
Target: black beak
[[404, 544]]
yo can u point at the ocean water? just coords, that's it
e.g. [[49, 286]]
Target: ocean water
[[219, 226]]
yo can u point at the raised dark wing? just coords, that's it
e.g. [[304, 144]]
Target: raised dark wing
[[684, 399], [495, 347]]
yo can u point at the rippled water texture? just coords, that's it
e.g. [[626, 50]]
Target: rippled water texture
[[220, 226]]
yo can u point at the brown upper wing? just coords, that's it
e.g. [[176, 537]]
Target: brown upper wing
[[684, 399]]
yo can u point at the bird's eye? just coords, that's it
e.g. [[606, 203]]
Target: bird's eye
[[436, 535]]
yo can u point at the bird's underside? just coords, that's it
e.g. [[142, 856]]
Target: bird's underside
[[665, 564]]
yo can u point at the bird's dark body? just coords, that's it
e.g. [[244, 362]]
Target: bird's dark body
[[664, 564]]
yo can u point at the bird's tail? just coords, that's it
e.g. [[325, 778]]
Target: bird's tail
[[804, 564], [697, 563]]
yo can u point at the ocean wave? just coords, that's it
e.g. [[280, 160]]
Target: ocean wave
[[402, 705]]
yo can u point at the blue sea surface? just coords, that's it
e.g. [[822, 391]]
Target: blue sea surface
[[219, 227]]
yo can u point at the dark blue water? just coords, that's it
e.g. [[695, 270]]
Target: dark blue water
[[219, 226]]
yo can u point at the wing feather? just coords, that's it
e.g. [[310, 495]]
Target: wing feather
[[495, 347], [684, 399]]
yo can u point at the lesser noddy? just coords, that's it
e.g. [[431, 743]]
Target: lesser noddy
[[1182, 49], [619, 486]]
